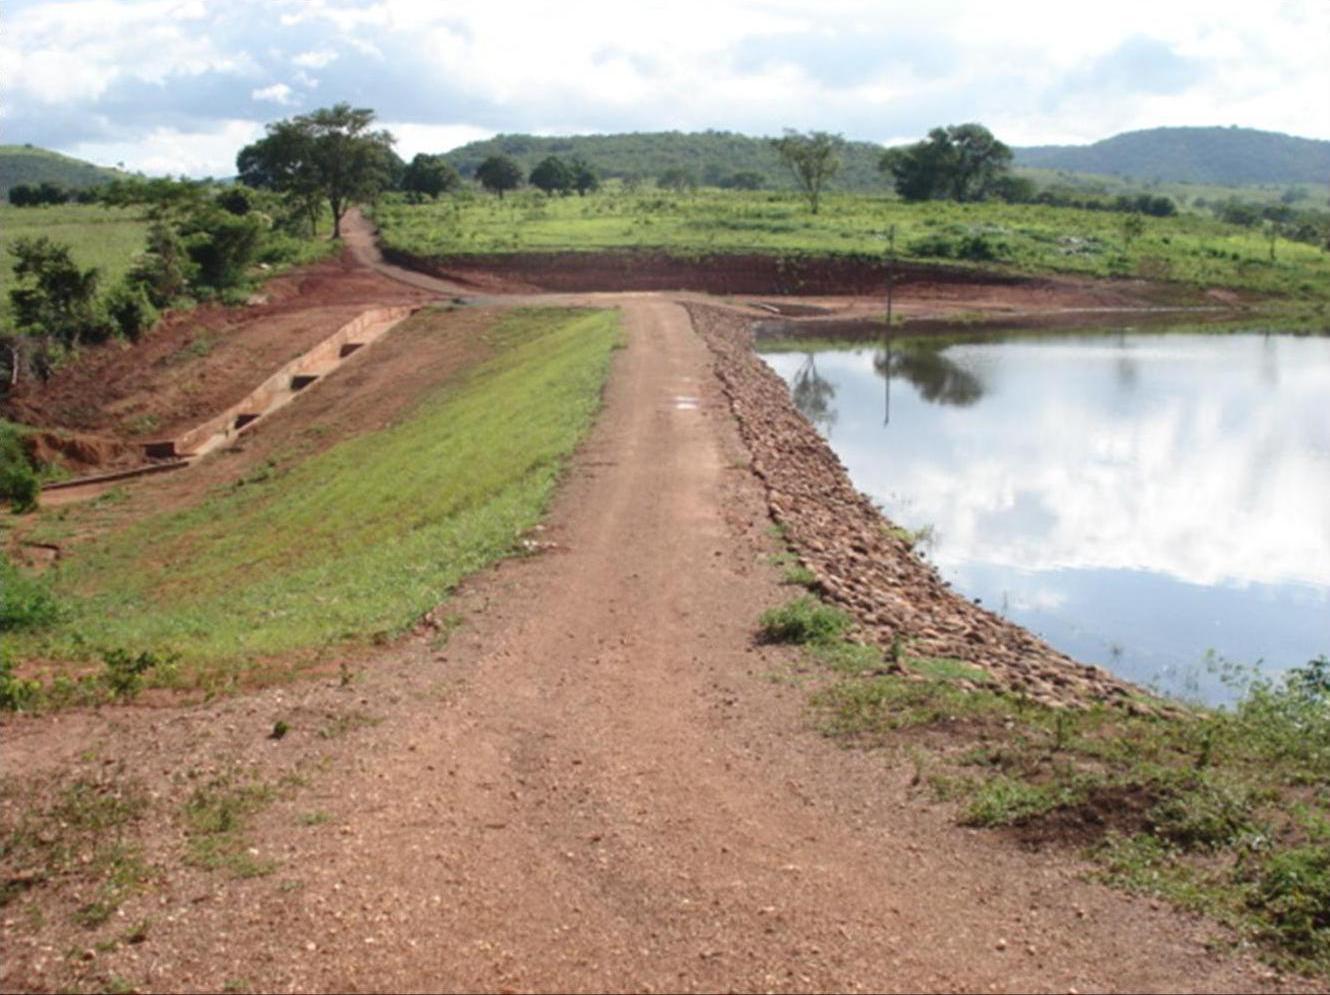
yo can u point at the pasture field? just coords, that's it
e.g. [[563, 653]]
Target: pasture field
[[1190, 249], [107, 238]]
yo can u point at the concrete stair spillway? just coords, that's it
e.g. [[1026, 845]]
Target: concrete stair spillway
[[278, 390], [282, 386]]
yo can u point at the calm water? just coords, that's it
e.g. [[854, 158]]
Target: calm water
[[1140, 500]]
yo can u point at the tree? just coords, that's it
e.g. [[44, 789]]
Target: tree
[[585, 178], [813, 159], [430, 175], [498, 174], [678, 179], [329, 155], [53, 297], [552, 175], [959, 162]]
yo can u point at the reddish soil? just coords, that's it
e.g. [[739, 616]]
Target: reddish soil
[[194, 363], [757, 274]]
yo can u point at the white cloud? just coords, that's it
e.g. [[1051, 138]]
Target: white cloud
[[278, 93], [876, 69], [168, 151], [433, 138], [316, 59]]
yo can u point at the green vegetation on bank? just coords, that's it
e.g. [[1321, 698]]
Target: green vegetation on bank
[[350, 545], [1224, 812], [1190, 249]]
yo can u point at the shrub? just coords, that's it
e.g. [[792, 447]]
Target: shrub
[[25, 601], [53, 296], [18, 477], [222, 246], [130, 310], [16, 693], [1293, 892], [164, 270], [804, 620]]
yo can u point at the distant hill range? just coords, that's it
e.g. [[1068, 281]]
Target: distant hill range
[[1223, 156], [29, 164], [713, 157], [1226, 156]]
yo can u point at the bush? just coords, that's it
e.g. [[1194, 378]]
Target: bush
[[222, 246], [1293, 892], [16, 694], [18, 478], [164, 271], [804, 620], [25, 601], [130, 309], [53, 296]]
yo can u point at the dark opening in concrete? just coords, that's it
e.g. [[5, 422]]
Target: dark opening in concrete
[[348, 348], [160, 450], [302, 380], [244, 419]]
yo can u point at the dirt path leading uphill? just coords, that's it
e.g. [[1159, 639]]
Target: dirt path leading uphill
[[597, 785]]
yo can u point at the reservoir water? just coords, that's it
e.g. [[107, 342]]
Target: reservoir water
[[1153, 503]]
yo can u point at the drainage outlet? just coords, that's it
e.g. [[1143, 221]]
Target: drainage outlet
[[302, 380], [243, 420], [348, 348], [160, 450]]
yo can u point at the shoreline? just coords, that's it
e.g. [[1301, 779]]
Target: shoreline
[[860, 564]]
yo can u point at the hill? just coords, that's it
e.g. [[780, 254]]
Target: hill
[[712, 156], [29, 164], [1229, 156]]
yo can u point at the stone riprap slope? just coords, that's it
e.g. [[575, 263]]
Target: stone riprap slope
[[859, 562]]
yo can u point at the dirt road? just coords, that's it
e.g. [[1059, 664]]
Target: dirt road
[[599, 783]]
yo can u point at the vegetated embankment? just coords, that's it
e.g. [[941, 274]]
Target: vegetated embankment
[[319, 547], [859, 562]]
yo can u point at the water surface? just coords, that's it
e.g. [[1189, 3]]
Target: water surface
[[1140, 500]]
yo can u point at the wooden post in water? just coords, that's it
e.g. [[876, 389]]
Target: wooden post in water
[[891, 286]]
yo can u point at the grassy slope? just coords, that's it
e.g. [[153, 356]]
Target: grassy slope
[[357, 541], [1189, 248]]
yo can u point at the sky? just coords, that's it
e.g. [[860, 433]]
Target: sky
[[179, 86]]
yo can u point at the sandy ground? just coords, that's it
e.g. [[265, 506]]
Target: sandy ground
[[599, 782]]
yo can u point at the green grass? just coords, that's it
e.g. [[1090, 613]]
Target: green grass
[[1190, 249], [217, 817], [355, 543]]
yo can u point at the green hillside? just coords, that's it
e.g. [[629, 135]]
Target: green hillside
[[1228, 156], [29, 164], [712, 156]]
